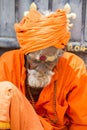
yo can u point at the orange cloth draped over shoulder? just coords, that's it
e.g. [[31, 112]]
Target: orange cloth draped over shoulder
[[37, 31], [71, 95]]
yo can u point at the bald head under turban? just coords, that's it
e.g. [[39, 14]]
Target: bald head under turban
[[37, 31]]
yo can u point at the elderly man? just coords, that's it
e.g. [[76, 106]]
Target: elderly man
[[42, 87]]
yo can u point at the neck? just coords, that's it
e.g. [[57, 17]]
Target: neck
[[34, 92]]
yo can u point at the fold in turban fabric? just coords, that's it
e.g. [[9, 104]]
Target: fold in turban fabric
[[37, 31]]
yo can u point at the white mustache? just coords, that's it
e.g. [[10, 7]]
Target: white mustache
[[34, 72], [36, 79]]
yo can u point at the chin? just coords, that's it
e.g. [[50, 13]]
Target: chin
[[35, 79]]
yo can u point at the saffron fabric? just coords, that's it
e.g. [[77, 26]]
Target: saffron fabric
[[36, 31], [71, 93], [4, 125], [22, 114]]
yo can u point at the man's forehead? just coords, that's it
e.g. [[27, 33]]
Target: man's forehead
[[47, 51], [47, 54]]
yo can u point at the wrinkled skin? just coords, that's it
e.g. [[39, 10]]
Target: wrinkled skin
[[42, 66]]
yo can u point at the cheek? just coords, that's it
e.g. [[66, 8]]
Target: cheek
[[32, 65], [51, 66]]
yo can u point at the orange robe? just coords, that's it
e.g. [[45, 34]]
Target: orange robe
[[71, 90]]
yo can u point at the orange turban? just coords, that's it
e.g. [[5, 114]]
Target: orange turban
[[37, 31]]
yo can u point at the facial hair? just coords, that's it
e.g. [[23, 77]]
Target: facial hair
[[36, 79]]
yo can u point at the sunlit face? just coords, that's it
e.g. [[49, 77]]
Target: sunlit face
[[40, 65]]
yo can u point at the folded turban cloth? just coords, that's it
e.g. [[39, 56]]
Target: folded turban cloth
[[37, 31]]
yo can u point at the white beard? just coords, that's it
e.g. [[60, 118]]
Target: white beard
[[36, 79]]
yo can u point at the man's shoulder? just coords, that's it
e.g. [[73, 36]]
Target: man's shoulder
[[70, 62], [11, 56], [11, 53], [73, 60], [72, 57]]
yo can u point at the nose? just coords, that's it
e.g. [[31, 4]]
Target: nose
[[41, 69]]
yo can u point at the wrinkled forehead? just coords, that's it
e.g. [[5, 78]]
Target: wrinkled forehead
[[51, 51]]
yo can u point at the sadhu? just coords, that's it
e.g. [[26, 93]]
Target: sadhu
[[42, 87]]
